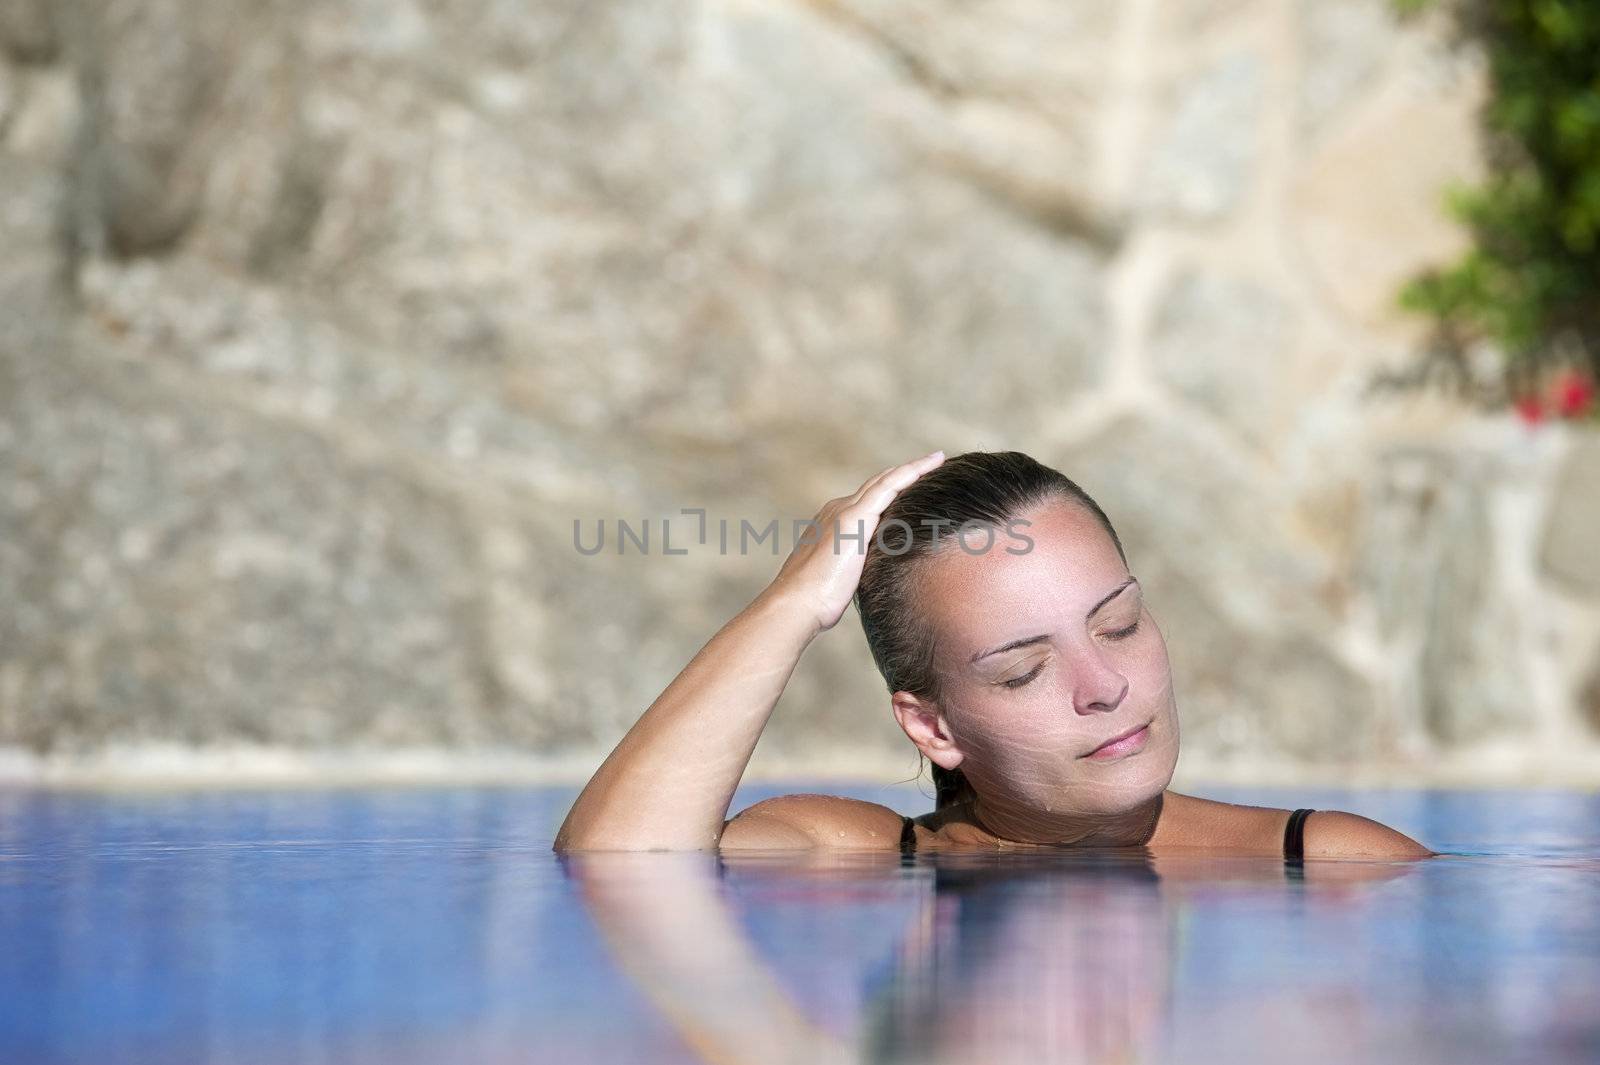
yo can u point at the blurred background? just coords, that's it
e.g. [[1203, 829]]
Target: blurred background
[[324, 326]]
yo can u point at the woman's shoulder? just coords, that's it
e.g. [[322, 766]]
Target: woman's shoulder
[[1323, 833], [1337, 834], [805, 820]]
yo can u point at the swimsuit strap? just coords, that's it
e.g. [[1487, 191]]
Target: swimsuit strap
[[1294, 836]]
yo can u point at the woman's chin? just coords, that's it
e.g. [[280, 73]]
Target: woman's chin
[[1134, 781]]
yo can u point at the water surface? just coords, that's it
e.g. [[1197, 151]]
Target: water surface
[[435, 925]]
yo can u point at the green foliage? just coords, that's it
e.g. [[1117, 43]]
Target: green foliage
[[1530, 284]]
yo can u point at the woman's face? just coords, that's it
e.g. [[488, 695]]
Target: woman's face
[[1044, 656]]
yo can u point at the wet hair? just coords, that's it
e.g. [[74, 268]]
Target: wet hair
[[977, 488]]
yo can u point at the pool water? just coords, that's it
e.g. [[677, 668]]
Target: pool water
[[435, 925]]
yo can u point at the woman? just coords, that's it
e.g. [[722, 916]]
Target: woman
[[1021, 659]]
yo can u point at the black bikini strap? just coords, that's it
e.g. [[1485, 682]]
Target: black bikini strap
[[908, 835], [1294, 833]]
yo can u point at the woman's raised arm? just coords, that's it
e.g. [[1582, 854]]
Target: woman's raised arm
[[668, 783]]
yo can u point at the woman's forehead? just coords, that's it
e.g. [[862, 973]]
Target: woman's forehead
[[1062, 559]]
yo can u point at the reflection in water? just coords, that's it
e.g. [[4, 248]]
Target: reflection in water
[[423, 926], [663, 919], [1006, 958], [1056, 961]]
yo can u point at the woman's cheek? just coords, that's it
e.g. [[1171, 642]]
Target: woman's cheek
[[1013, 735]]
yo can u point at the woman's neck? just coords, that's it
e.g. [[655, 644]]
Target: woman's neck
[[1017, 825]]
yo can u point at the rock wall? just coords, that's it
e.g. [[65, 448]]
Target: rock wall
[[324, 323]]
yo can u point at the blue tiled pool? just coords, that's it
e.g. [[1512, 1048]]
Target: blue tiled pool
[[436, 925]]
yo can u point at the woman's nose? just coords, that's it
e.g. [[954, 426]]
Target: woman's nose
[[1100, 688]]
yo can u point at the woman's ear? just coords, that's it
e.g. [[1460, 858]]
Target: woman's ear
[[920, 720]]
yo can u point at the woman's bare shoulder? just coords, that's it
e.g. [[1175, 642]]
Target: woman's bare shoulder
[[806, 820], [1336, 834], [1326, 833]]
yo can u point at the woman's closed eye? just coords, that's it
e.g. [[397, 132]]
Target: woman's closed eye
[[1017, 682], [1123, 634]]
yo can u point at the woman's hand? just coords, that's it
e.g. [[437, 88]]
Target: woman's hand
[[820, 576], [668, 783]]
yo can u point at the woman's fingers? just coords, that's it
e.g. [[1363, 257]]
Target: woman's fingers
[[866, 486], [903, 472], [818, 570], [877, 493]]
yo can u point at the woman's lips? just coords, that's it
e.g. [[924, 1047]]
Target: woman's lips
[[1122, 745]]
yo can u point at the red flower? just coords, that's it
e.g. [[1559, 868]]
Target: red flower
[[1530, 409], [1572, 394]]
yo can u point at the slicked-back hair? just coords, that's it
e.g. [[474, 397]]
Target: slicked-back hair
[[988, 488]]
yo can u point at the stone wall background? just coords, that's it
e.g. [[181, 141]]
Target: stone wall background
[[322, 323]]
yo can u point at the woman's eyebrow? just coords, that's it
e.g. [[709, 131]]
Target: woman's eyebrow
[[1110, 596], [1012, 646], [1027, 640]]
